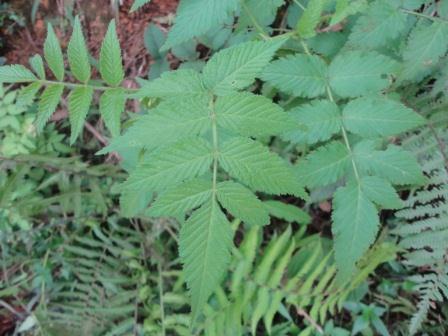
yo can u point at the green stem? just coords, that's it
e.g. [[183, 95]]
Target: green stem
[[215, 146], [77, 85], [346, 141], [429, 17]]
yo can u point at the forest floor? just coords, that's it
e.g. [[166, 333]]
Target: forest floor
[[24, 42]]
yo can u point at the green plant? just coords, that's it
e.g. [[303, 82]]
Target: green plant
[[289, 102]]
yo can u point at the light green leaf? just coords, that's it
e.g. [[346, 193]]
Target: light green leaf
[[394, 164], [252, 115], [425, 47], [373, 117], [382, 23], [204, 247], [242, 203], [236, 67], [78, 56], [169, 122], [47, 104], [325, 165], [37, 64], [112, 105], [257, 167], [355, 226], [264, 12], [171, 165], [306, 27], [287, 212], [53, 54], [178, 200], [132, 203], [111, 67], [28, 93], [345, 8], [179, 83], [380, 192], [79, 102], [321, 118], [154, 38], [15, 74], [298, 75], [207, 14], [357, 73], [138, 3]]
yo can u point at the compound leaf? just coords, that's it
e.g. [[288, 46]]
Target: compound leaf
[[180, 199], [111, 67], [357, 73], [15, 74], [325, 165], [321, 118], [78, 56], [197, 17], [257, 167], [380, 192], [112, 105], [298, 75], [79, 102], [47, 104], [373, 117], [252, 115], [242, 203], [53, 54], [236, 67], [355, 226], [204, 247]]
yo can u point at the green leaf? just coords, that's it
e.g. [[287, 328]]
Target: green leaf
[[425, 47], [180, 199], [111, 67], [78, 56], [179, 83], [345, 8], [242, 203], [28, 93], [236, 67], [355, 226], [169, 122], [53, 54], [112, 105], [287, 212], [139, 3], [47, 104], [257, 167], [357, 73], [15, 74], [373, 117], [196, 17], [204, 247], [171, 165], [37, 64], [264, 11], [298, 75], [382, 23], [325, 165], [79, 102], [154, 38], [306, 27], [380, 192], [394, 164], [321, 118], [252, 115]]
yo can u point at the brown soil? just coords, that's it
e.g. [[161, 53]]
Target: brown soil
[[95, 16]]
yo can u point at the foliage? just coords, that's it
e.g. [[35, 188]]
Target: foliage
[[270, 97]]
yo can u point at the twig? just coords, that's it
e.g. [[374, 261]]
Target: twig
[[307, 317], [96, 134]]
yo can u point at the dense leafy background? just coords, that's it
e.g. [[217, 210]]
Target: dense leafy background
[[288, 178]]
